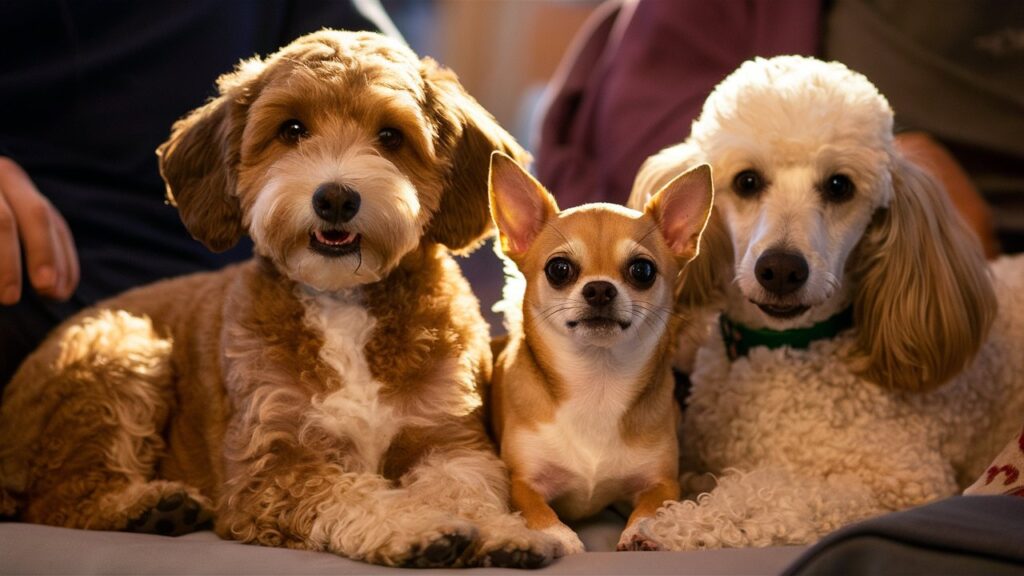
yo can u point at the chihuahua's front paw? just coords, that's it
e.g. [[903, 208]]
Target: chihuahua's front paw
[[570, 542], [634, 538]]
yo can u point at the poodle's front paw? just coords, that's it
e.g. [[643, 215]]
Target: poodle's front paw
[[569, 542], [635, 539]]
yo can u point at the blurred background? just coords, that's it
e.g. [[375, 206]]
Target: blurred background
[[505, 52]]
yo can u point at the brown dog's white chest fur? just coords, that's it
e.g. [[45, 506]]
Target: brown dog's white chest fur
[[355, 411]]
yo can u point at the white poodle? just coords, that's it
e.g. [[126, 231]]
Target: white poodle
[[860, 364]]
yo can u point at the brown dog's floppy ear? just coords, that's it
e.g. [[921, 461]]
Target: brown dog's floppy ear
[[925, 301], [468, 135], [199, 160]]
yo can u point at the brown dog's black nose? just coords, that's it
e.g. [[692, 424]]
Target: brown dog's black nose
[[781, 272], [599, 292], [335, 203]]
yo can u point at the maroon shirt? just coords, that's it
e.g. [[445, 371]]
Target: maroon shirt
[[637, 76]]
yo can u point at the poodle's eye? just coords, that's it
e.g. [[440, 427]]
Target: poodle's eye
[[641, 273], [390, 138], [292, 131], [748, 183], [560, 271], [837, 188]]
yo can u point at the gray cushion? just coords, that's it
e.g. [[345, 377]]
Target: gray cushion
[[34, 549]]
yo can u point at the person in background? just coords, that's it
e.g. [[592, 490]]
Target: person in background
[[954, 72], [88, 90]]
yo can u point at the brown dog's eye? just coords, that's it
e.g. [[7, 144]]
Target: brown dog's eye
[[641, 273], [390, 138], [292, 131], [837, 188], [560, 272], [748, 183]]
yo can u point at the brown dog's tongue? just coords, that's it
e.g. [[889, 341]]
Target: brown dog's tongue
[[334, 237]]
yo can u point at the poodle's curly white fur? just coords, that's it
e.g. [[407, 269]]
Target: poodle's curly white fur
[[907, 406]]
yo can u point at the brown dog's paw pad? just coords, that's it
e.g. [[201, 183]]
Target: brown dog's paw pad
[[516, 558], [445, 551], [173, 515]]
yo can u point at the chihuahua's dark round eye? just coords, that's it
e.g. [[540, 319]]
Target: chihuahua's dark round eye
[[748, 183], [292, 131], [641, 273], [837, 188], [560, 271], [390, 138]]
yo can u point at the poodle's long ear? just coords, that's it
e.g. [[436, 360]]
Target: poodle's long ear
[[467, 135], [705, 273], [925, 301], [199, 161]]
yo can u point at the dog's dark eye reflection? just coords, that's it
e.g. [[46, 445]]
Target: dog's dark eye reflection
[[748, 183], [641, 273], [837, 188], [292, 131], [390, 138], [560, 272]]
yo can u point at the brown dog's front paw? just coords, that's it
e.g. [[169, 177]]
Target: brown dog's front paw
[[517, 558], [518, 548], [446, 550], [173, 514]]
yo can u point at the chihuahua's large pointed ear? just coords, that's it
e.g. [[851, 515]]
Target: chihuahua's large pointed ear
[[925, 300], [467, 135], [198, 162], [682, 208], [713, 263], [520, 206]]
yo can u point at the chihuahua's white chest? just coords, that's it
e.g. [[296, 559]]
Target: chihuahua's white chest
[[580, 461]]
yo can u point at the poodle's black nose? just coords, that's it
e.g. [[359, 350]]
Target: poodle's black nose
[[599, 292], [781, 272], [335, 203]]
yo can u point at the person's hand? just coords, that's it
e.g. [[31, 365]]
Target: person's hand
[[926, 152], [29, 222]]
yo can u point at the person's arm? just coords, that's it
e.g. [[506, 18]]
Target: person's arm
[[29, 223], [928, 153]]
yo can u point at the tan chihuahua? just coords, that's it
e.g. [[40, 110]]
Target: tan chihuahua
[[582, 400]]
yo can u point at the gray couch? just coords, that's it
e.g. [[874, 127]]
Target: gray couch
[[34, 549], [960, 535]]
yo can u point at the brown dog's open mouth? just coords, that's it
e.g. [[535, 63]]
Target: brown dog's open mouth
[[334, 243]]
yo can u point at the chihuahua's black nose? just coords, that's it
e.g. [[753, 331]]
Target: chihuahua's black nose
[[781, 272], [599, 292], [335, 203]]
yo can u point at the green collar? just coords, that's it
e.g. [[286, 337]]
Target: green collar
[[739, 339]]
